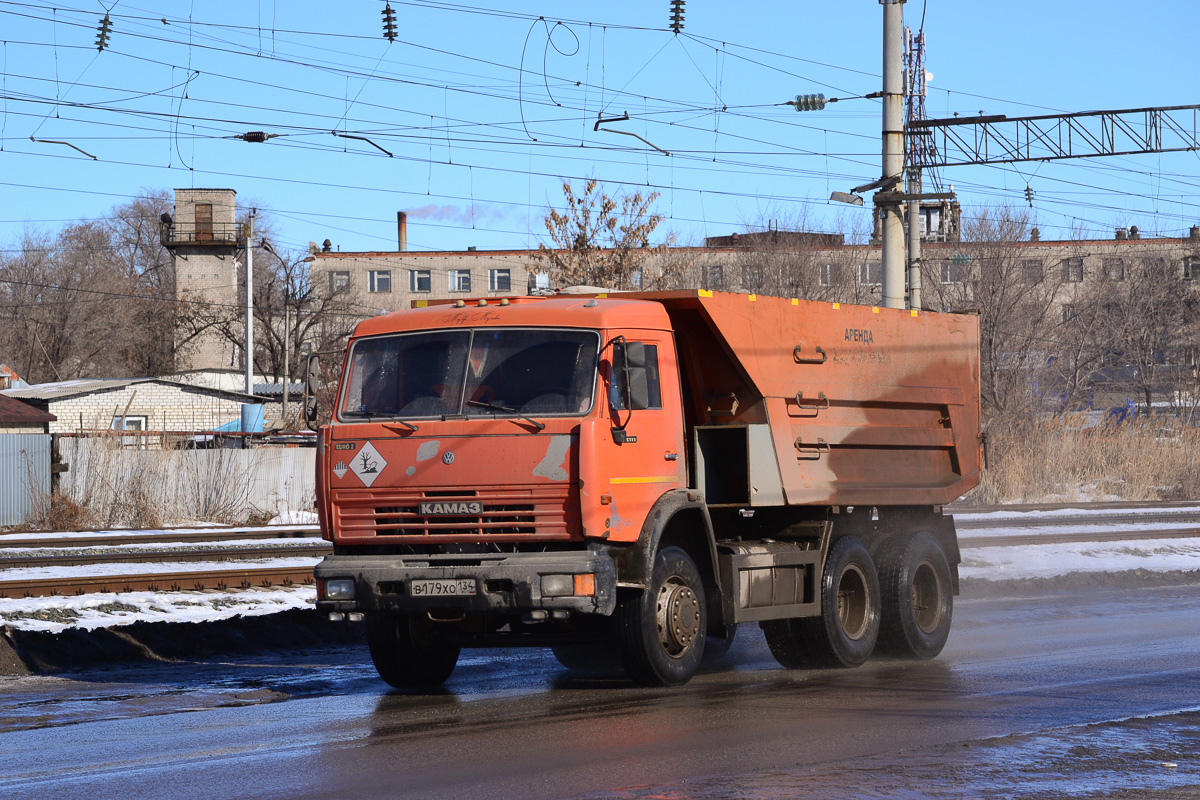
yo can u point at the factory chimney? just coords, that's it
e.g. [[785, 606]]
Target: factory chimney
[[402, 230]]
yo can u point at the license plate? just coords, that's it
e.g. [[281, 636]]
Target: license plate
[[456, 587]]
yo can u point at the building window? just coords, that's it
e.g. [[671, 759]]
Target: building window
[[714, 277], [539, 282], [1032, 270], [338, 281], [1114, 268], [752, 276], [1191, 268], [955, 270], [419, 280], [635, 279], [130, 423], [871, 273], [1068, 312], [204, 222], [500, 280], [460, 280], [379, 280], [1073, 270], [829, 274]]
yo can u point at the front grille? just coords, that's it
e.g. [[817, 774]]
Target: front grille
[[542, 512], [504, 519]]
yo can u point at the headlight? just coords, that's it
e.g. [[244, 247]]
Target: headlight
[[339, 589], [558, 585]]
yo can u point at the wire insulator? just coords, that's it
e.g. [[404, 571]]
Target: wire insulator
[[102, 33], [389, 22], [677, 15]]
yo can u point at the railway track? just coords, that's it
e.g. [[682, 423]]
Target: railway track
[[192, 559], [248, 577]]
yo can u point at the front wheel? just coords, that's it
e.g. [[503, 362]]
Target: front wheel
[[845, 632], [410, 652], [918, 597], [660, 632]]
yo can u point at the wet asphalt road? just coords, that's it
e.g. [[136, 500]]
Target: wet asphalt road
[[1092, 694]]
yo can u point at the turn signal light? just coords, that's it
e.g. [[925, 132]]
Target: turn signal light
[[585, 585]]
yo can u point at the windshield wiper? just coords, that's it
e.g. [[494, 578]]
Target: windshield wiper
[[507, 410], [370, 417]]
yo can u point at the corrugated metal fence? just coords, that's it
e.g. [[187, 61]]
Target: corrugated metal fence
[[24, 474]]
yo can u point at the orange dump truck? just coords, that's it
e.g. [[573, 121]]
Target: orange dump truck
[[633, 475]]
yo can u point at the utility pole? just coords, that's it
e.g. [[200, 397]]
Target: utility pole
[[250, 304], [287, 345], [914, 109], [888, 199]]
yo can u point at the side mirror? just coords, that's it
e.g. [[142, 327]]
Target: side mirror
[[312, 382]]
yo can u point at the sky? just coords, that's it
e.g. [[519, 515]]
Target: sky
[[471, 120]]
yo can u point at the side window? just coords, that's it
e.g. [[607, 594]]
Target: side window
[[636, 378]]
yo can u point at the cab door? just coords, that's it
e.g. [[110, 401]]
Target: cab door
[[634, 451]]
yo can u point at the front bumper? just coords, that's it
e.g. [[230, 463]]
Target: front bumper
[[504, 583]]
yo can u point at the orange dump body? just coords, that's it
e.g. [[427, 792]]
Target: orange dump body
[[863, 405]]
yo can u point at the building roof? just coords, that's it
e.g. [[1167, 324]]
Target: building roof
[[46, 392], [17, 412], [276, 389]]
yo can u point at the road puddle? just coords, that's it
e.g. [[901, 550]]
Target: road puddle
[[1145, 757]]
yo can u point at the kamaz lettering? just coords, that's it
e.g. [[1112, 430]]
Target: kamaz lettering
[[469, 509], [863, 335]]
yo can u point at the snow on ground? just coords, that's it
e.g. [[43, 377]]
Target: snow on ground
[[296, 518], [1050, 560], [90, 611], [134, 568], [1149, 511], [1016, 529]]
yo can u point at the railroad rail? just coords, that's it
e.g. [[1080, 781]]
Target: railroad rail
[[220, 579], [1105, 522]]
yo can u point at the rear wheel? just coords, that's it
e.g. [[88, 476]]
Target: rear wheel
[[845, 632], [918, 597], [410, 652], [660, 632]]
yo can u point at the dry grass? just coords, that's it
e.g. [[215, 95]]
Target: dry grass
[[1058, 460], [110, 486]]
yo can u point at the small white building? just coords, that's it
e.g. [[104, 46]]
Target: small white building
[[141, 404]]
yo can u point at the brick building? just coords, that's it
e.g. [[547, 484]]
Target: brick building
[[142, 404]]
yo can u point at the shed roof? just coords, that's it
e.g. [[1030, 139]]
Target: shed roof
[[46, 392], [18, 412]]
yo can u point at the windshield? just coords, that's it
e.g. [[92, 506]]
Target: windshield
[[480, 372]]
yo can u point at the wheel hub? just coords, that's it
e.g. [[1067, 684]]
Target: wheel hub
[[678, 611]]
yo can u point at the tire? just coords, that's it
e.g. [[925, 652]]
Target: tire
[[918, 597], [845, 632], [410, 652], [660, 632]]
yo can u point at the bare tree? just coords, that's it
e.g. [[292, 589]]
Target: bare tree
[[603, 240], [1019, 320], [97, 299]]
